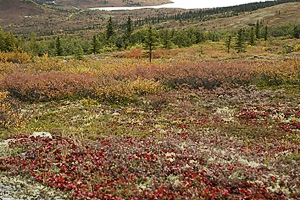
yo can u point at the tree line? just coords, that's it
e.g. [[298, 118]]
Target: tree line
[[148, 38]]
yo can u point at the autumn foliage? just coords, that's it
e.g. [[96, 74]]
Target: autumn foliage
[[14, 57], [48, 86], [10, 116], [167, 130], [141, 168], [284, 72], [123, 82]]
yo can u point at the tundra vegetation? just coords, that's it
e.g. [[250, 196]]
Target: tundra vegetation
[[214, 115]]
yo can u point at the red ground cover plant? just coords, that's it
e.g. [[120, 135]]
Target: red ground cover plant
[[285, 118], [173, 166]]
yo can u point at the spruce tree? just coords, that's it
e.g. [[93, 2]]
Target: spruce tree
[[252, 37], [129, 27], [10, 42], [240, 41], [34, 47], [58, 47], [95, 46], [266, 34], [166, 39], [78, 52], [109, 29], [150, 42], [228, 43], [296, 31], [2, 40], [127, 40], [257, 29], [19, 43]]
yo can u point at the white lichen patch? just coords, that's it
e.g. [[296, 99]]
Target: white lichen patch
[[144, 185], [249, 163], [5, 151], [182, 146], [170, 156], [174, 180], [275, 186], [16, 187], [237, 175], [227, 114], [42, 134]]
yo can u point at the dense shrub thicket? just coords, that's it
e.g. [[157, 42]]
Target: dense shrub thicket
[[123, 83]]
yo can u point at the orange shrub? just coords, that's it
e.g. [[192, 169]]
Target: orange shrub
[[48, 86], [115, 81], [135, 53]]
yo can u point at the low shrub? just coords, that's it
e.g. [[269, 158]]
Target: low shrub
[[145, 86], [49, 86], [279, 73], [297, 48], [114, 90], [14, 57], [165, 53], [209, 75], [206, 75], [125, 90], [134, 53], [46, 64], [6, 68], [10, 115]]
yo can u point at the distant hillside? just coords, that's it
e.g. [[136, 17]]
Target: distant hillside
[[99, 3], [271, 16], [15, 11], [25, 16], [37, 15]]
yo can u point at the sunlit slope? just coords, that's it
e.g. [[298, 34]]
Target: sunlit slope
[[271, 16]]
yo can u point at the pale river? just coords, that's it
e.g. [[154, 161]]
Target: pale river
[[186, 4]]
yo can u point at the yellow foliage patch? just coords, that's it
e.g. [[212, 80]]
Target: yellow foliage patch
[[113, 90], [285, 72], [14, 57], [8, 116]]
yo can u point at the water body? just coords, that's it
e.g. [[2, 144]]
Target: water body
[[186, 4]]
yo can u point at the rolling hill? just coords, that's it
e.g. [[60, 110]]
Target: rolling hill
[[23, 16], [271, 16], [17, 11]]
